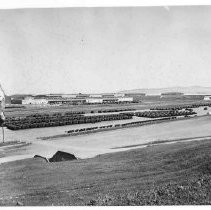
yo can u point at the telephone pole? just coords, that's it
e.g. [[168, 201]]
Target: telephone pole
[[2, 107]]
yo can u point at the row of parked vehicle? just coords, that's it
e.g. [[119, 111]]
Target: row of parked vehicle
[[100, 128], [89, 129], [59, 120], [167, 113], [71, 118], [181, 106], [161, 113], [44, 117], [114, 110]]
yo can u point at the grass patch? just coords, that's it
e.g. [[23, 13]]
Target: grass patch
[[169, 174], [8, 143]]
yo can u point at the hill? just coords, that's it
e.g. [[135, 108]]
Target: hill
[[186, 90]]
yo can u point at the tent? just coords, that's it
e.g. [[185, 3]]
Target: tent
[[58, 157]]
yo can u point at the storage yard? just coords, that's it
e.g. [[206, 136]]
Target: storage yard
[[90, 133], [105, 105], [101, 129]]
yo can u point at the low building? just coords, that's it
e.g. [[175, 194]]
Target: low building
[[54, 95], [96, 96], [110, 100], [207, 98], [39, 96], [81, 95], [119, 94], [17, 99], [125, 99], [70, 101], [94, 100], [34, 101], [69, 95], [137, 97], [108, 95]]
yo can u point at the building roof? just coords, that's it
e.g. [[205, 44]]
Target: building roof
[[172, 93], [95, 98]]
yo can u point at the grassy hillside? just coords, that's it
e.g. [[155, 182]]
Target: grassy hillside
[[170, 174]]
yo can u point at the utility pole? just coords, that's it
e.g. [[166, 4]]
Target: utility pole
[[2, 127], [2, 107]]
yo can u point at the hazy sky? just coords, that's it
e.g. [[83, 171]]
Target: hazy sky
[[104, 49]]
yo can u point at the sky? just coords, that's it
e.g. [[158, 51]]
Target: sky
[[94, 50]]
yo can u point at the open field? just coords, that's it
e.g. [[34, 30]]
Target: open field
[[169, 174], [87, 108]]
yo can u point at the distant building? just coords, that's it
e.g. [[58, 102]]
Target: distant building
[[34, 101], [70, 101], [108, 95], [124, 99], [207, 98], [110, 100], [119, 94], [40, 96], [94, 100], [81, 95], [137, 97], [17, 99], [69, 95], [74, 99], [95, 95], [54, 95]]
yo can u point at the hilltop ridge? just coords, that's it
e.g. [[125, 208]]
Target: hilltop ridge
[[186, 90]]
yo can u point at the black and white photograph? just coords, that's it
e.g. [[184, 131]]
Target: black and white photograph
[[105, 105]]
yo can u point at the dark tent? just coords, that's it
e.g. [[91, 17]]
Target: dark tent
[[62, 156], [42, 158]]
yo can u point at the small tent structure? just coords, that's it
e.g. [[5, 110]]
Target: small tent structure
[[62, 156], [58, 157], [41, 157]]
